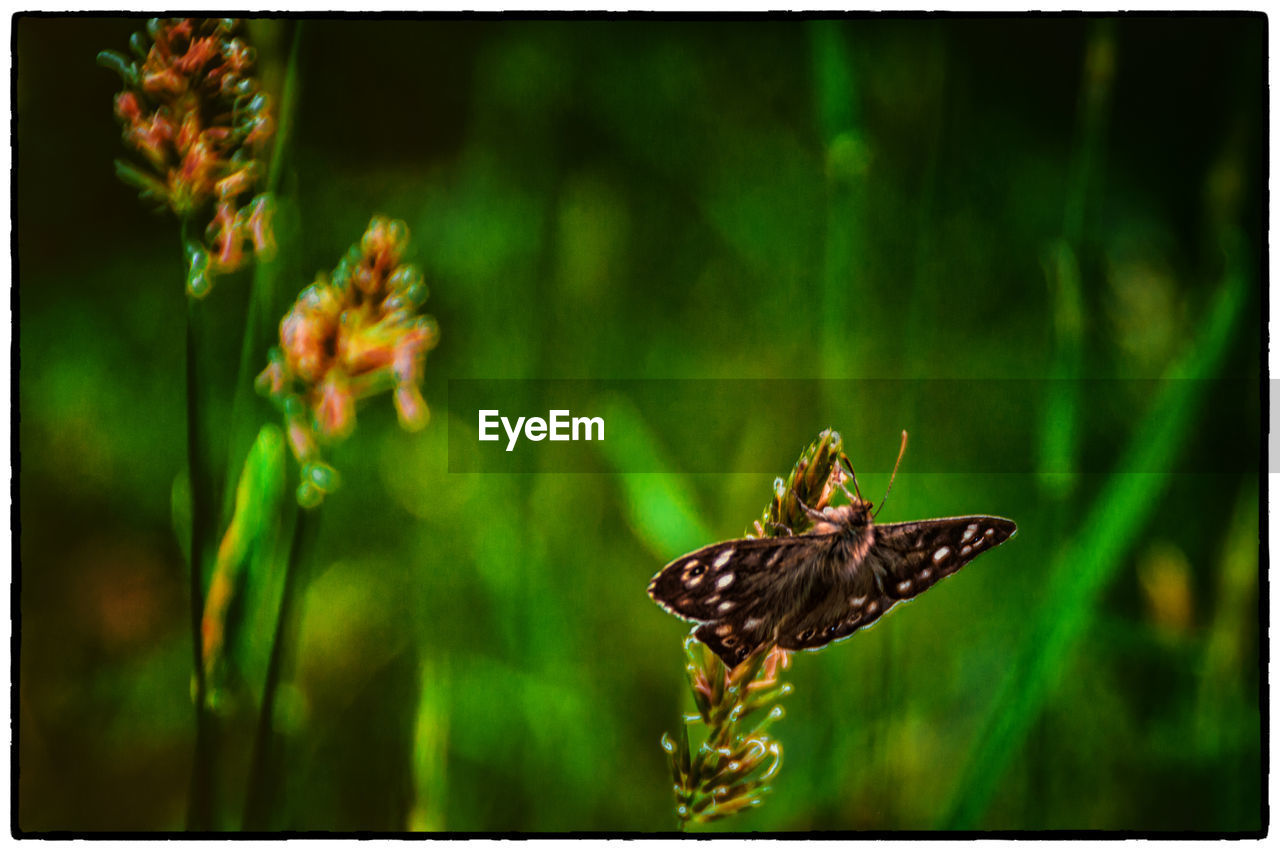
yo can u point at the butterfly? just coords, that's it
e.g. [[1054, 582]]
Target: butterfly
[[805, 591]]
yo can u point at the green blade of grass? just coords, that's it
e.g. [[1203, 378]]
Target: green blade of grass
[[847, 161], [1083, 568], [1059, 434], [430, 751], [660, 506]]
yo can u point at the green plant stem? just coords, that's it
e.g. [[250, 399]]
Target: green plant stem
[[201, 804], [260, 795], [262, 288]]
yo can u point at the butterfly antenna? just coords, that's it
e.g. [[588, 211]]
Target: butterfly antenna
[[902, 449]]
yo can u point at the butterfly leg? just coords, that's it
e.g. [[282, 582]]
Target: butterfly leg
[[781, 526], [814, 514]]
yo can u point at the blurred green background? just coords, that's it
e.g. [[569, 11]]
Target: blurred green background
[[933, 198]]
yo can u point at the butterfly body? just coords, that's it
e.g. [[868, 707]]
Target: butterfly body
[[805, 591]]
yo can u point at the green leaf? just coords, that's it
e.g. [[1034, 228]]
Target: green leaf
[[259, 496]]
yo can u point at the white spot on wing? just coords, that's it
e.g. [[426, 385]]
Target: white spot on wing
[[942, 553], [969, 532], [964, 551], [926, 573], [723, 558], [751, 623], [990, 533], [724, 581], [904, 586], [726, 605], [857, 601]]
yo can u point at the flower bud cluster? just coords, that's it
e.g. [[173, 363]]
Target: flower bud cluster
[[734, 766], [816, 476], [347, 337], [192, 111]]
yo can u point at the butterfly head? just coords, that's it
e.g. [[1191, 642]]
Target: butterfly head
[[835, 518]]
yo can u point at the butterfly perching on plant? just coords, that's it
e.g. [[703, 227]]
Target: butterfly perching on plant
[[805, 591]]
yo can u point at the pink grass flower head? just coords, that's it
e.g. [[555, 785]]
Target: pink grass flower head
[[349, 336], [199, 120]]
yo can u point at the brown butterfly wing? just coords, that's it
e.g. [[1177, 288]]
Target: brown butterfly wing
[[734, 587], [725, 579], [905, 560], [913, 557]]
